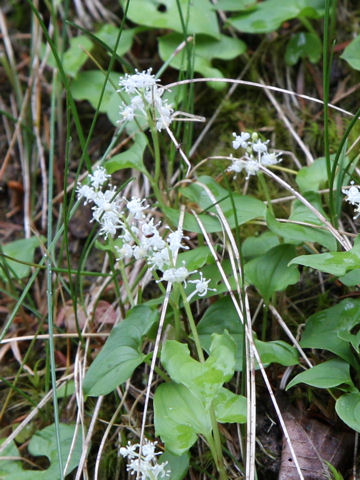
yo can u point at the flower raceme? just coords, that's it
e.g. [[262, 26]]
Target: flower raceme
[[353, 196], [144, 462], [255, 154], [140, 237], [145, 98]]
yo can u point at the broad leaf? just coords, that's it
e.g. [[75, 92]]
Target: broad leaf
[[234, 5], [314, 176], [270, 273], [277, 351], [108, 34], [270, 14], [247, 208], [254, 246], [322, 329], [303, 45], [43, 443], [177, 464], [203, 379], [121, 353], [22, 250], [131, 158], [199, 16], [352, 53], [203, 51], [348, 408], [335, 263], [179, 417], [325, 375], [229, 407]]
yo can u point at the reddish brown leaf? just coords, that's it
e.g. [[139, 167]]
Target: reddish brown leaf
[[313, 443]]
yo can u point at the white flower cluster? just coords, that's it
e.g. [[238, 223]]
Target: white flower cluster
[[353, 196], [145, 98], [144, 462], [256, 154], [140, 235]]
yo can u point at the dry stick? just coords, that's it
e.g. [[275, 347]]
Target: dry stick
[[45, 336], [32, 414], [344, 242], [156, 347], [107, 431], [259, 85], [248, 334], [289, 126], [290, 335]]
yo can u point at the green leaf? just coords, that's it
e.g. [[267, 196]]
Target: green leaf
[[234, 5], [325, 375], [108, 34], [203, 379], [270, 272], [270, 14], [43, 443], [179, 416], [254, 246], [121, 353], [222, 316], [277, 351], [177, 464], [351, 54], [322, 328], [229, 407], [314, 176], [131, 158], [195, 258], [247, 208], [351, 278], [298, 234], [199, 16], [74, 57], [303, 45], [88, 85], [348, 408], [335, 263], [22, 250], [204, 50]]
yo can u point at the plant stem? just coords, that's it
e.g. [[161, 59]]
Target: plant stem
[[265, 189], [192, 325]]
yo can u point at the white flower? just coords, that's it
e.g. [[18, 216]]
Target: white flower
[[259, 146], [99, 177], [241, 140], [174, 240], [352, 194], [144, 462], [268, 159], [136, 207], [138, 81], [159, 260], [201, 287], [176, 275], [126, 251], [252, 166], [236, 166], [84, 191]]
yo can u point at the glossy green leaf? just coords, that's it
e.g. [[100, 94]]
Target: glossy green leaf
[[121, 353], [229, 407], [43, 443], [108, 34], [22, 250], [351, 278], [351, 54], [195, 258], [322, 328], [247, 208], [234, 5], [270, 273], [298, 234], [348, 408], [335, 263], [222, 316], [325, 375], [270, 14], [74, 57], [203, 379], [179, 417], [303, 45], [254, 246], [204, 50], [211, 224], [313, 177], [177, 464], [132, 157], [88, 85], [164, 14], [277, 351]]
